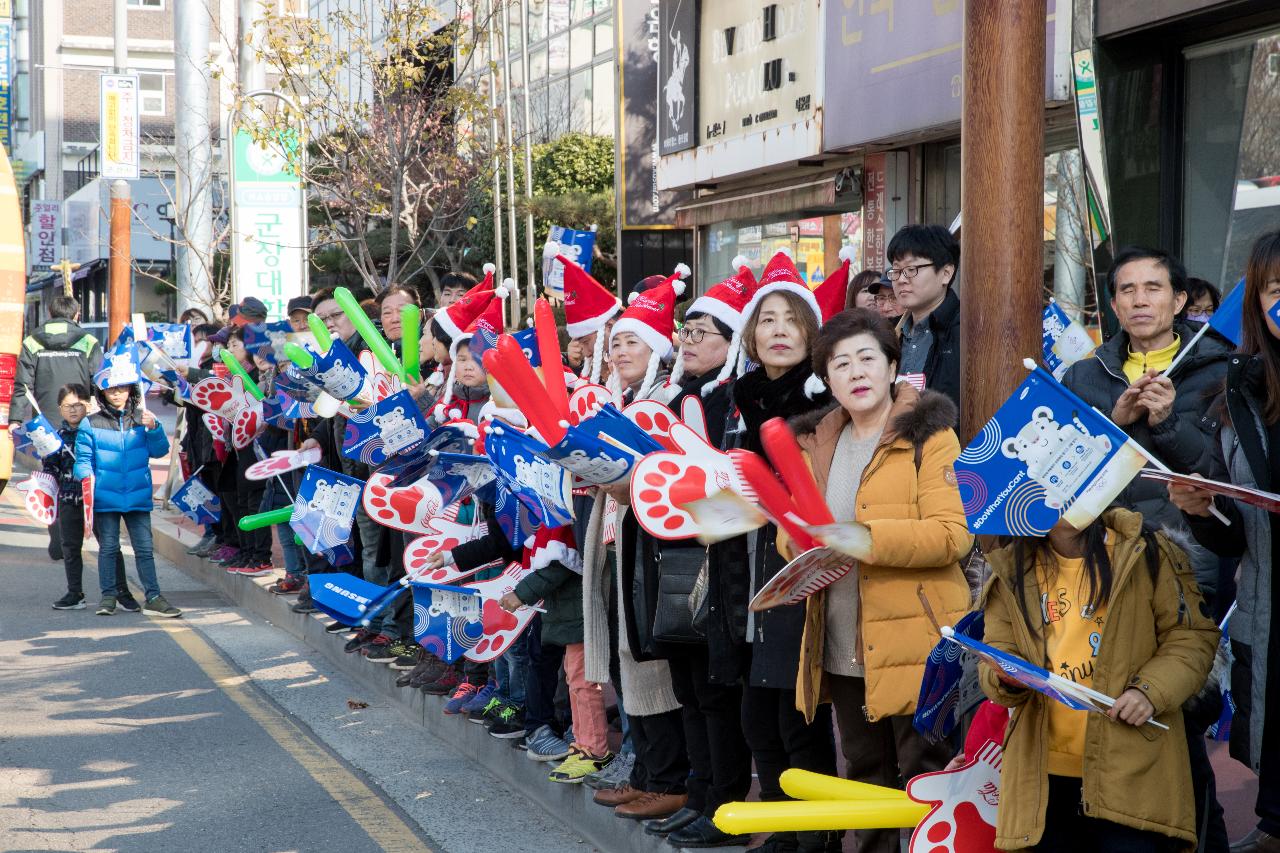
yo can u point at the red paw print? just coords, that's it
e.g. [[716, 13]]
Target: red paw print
[[409, 508], [213, 394], [217, 426], [655, 419], [662, 491], [584, 401], [971, 833], [248, 425], [663, 482]]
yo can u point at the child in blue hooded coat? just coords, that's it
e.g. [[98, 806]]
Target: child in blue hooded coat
[[115, 445]]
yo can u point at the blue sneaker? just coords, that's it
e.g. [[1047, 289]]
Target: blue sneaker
[[545, 745], [460, 697], [480, 699]]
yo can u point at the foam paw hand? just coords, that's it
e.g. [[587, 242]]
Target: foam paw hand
[[663, 482], [249, 423], [655, 419], [447, 535], [964, 803], [282, 462], [382, 384], [693, 414], [501, 628], [217, 396], [409, 508], [586, 400], [41, 497], [216, 425]]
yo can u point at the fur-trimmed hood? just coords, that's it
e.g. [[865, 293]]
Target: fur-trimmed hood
[[915, 416]]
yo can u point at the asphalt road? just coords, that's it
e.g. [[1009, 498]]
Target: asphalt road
[[213, 732]]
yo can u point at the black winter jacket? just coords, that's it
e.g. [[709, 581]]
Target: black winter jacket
[[775, 648], [942, 367], [56, 354]]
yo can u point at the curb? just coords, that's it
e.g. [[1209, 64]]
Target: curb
[[568, 804]]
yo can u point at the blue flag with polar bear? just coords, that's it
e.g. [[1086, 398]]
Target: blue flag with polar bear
[[1045, 455]]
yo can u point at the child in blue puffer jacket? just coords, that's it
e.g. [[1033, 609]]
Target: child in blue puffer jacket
[[114, 446]]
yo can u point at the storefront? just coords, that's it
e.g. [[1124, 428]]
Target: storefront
[[1190, 106]]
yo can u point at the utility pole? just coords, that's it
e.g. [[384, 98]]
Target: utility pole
[[193, 150], [119, 294], [532, 260], [119, 272], [493, 143], [1002, 196], [512, 247]]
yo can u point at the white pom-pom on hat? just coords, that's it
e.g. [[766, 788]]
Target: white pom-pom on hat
[[632, 297], [678, 286], [786, 250], [847, 254], [490, 267], [503, 290], [739, 261], [683, 271], [455, 413]]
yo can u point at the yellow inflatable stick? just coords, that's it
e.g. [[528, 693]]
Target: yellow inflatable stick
[[806, 785], [803, 816]]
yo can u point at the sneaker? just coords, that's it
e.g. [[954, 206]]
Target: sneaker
[[70, 601], [448, 680], [233, 563], [428, 670], [129, 603], [254, 568], [545, 745], [288, 585], [362, 638], [304, 605], [465, 692], [407, 655], [107, 607], [578, 766], [338, 628], [378, 650], [615, 775], [481, 700], [490, 711], [197, 549], [225, 554], [408, 679], [206, 550], [508, 724], [159, 607]]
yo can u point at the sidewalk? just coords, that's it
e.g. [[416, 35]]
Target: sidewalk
[[570, 804]]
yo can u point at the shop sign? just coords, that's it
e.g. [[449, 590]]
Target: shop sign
[[749, 235], [875, 177], [678, 98], [118, 115], [894, 68], [758, 67], [643, 204], [269, 235], [46, 228]]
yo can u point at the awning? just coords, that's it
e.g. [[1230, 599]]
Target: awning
[[756, 202], [48, 279]]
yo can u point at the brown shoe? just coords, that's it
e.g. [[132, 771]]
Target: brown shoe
[[1257, 841], [617, 796], [651, 805]]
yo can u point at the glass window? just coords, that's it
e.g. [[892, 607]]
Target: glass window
[[537, 20], [1129, 100], [604, 37], [558, 16], [538, 64], [581, 47], [558, 54], [602, 85], [513, 29], [538, 114], [580, 120], [146, 4], [581, 9], [151, 94], [517, 75], [558, 108]]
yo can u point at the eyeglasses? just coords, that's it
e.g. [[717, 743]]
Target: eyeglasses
[[325, 318], [883, 298], [906, 272], [694, 335], [71, 407]]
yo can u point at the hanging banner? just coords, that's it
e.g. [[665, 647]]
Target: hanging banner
[[46, 225], [678, 75], [1089, 121], [118, 114], [6, 60], [267, 221]]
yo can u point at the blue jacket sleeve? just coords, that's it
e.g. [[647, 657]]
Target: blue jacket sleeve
[[157, 444], [84, 453]]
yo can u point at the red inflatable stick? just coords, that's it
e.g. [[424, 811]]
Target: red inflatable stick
[[507, 364], [773, 497], [780, 443], [544, 324]]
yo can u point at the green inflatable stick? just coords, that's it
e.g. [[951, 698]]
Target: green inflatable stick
[[266, 519], [372, 337], [411, 337], [298, 355], [233, 364], [321, 332]]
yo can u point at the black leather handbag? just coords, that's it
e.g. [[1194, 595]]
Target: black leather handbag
[[678, 576]]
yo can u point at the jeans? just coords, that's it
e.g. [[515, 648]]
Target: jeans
[[70, 525], [1066, 829], [516, 666], [106, 526], [276, 497], [542, 678]]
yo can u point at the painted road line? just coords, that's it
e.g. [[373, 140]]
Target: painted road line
[[380, 822]]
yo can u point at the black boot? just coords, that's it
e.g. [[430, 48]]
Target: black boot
[[703, 833]]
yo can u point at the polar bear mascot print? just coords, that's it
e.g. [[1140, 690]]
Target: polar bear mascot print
[[1059, 457]]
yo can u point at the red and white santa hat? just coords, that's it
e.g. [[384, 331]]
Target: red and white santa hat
[[725, 302], [651, 316], [461, 314], [588, 307], [489, 320], [552, 544]]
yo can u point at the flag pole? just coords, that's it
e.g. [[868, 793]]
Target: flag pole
[[1190, 345]]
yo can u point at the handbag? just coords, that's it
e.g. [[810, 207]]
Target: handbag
[[679, 570]]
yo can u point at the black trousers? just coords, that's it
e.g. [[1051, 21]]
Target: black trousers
[[780, 738], [719, 758], [70, 529], [1242, 687], [255, 545], [662, 765], [544, 680], [887, 752], [1069, 831]]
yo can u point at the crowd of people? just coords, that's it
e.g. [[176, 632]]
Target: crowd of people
[[866, 368]]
